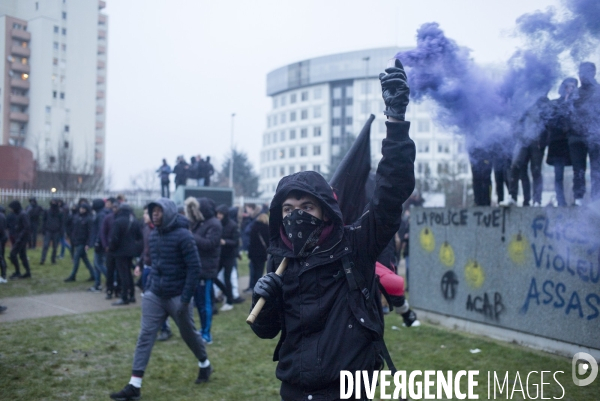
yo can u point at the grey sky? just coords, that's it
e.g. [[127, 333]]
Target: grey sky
[[178, 69]]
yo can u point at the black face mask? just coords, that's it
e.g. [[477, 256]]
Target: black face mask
[[303, 231]]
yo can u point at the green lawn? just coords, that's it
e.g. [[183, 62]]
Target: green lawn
[[94, 352], [49, 278]]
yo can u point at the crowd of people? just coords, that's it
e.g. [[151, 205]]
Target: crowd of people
[[568, 126], [197, 172]]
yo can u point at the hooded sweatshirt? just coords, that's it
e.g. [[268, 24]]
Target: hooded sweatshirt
[[82, 227], [22, 227], [175, 261], [207, 230], [326, 325], [53, 219], [231, 236]]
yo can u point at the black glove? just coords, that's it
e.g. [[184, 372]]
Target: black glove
[[268, 287], [395, 91]]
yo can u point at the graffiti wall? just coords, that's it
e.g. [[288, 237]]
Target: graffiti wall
[[534, 270]]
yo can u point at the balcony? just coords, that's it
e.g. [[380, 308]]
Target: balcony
[[101, 65], [102, 19], [20, 100], [101, 34], [19, 83], [99, 140], [100, 95], [100, 79], [99, 110], [20, 51], [19, 117], [101, 4], [101, 49], [21, 34], [99, 125], [19, 67]]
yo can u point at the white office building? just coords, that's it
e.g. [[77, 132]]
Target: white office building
[[54, 80], [319, 104]]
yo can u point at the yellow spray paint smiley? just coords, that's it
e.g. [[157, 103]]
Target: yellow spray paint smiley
[[517, 249], [474, 274], [447, 254], [427, 239]]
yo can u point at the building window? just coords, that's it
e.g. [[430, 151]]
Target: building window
[[37, 5], [274, 120], [303, 151], [304, 133], [302, 167], [337, 93], [48, 109], [304, 114], [62, 95], [292, 152], [24, 61], [293, 116], [274, 102], [348, 120], [317, 93], [317, 112], [55, 29], [64, 15], [281, 171], [274, 137], [365, 87], [293, 134], [292, 169], [293, 98], [55, 45], [282, 153], [66, 128], [423, 126], [283, 100], [337, 112], [304, 96], [54, 94], [423, 147], [54, 61], [317, 168], [317, 131], [282, 118], [282, 136], [316, 150], [364, 107], [63, 47]]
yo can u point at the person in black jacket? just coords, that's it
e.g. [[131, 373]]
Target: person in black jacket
[[230, 239], [81, 240], [35, 212], [21, 233], [3, 240], [559, 128], [126, 242], [181, 172], [173, 279], [100, 210], [208, 171], [52, 229], [326, 324], [257, 247], [207, 231]]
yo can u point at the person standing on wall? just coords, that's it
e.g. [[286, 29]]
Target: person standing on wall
[[164, 172]]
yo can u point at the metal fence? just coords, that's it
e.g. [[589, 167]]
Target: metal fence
[[136, 199]]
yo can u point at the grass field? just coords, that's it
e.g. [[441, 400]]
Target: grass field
[[94, 352]]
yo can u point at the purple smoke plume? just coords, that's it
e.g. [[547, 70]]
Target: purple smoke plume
[[485, 106]]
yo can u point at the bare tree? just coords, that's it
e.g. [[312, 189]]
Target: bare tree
[[145, 182]]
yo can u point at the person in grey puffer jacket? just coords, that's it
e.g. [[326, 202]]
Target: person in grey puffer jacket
[[173, 279]]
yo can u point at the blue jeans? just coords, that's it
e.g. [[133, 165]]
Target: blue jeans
[[203, 300], [64, 244], [99, 267], [81, 254], [559, 174]]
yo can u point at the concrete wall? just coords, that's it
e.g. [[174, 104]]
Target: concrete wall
[[532, 270]]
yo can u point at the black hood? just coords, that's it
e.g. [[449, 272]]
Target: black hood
[[15, 206], [171, 219], [33, 201], [124, 210], [87, 208], [233, 214], [54, 205], [224, 210], [207, 207], [310, 182], [2, 210], [98, 204]]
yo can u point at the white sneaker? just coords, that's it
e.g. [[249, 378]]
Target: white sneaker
[[578, 202], [537, 204], [225, 308], [3, 280], [508, 202]]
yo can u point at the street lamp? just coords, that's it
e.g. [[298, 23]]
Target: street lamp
[[231, 160]]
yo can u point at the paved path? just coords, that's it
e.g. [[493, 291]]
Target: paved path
[[64, 303]]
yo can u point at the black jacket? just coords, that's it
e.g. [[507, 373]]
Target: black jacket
[[3, 227], [257, 251], [207, 231], [181, 172], [81, 233], [34, 211], [22, 227], [231, 236], [326, 327], [53, 220], [560, 128], [175, 260], [126, 238]]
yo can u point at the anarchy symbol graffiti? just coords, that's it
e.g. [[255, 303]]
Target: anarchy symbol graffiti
[[449, 284]]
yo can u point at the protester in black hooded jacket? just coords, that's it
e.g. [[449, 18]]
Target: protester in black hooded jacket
[[21, 239], [35, 212], [81, 240], [207, 231], [52, 229], [230, 239], [327, 325], [100, 210], [181, 171], [3, 240], [126, 242]]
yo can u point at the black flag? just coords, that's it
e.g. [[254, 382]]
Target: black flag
[[351, 176]]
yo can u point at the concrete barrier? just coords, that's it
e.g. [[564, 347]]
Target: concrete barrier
[[530, 270]]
